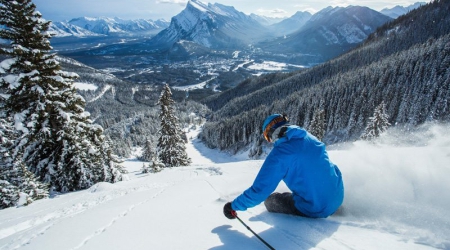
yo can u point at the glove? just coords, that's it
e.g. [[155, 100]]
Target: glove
[[229, 212]]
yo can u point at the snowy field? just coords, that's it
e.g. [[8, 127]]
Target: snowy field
[[397, 197]]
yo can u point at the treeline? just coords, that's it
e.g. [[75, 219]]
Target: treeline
[[405, 64]]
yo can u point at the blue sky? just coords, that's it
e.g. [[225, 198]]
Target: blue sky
[[58, 10]]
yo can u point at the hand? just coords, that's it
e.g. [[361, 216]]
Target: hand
[[229, 212]]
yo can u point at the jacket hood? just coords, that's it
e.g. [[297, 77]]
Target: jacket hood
[[293, 131]]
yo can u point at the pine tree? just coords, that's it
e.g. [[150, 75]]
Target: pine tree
[[18, 186], [317, 126], [171, 148], [58, 141], [9, 193], [378, 123], [148, 151]]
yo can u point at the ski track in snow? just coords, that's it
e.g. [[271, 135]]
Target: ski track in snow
[[43, 223], [118, 217]]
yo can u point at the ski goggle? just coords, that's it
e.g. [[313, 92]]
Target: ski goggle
[[268, 131]]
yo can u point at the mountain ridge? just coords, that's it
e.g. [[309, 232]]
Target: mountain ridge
[[329, 33], [398, 10], [97, 26]]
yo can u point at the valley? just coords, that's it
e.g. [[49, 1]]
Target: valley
[[213, 44], [222, 69]]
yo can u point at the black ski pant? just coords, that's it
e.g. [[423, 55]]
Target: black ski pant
[[282, 203]]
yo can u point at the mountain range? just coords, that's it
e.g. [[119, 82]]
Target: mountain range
[[206, 29], [87, 26], [400, 10], [328, 33], [94, 26]]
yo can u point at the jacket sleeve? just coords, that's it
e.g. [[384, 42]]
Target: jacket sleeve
[[270, 174]]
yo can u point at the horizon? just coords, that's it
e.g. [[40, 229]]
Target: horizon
[[166, 9]]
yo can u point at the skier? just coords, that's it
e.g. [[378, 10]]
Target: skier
[[301, 161]]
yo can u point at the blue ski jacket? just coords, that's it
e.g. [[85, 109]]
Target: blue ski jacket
[[301, 161]]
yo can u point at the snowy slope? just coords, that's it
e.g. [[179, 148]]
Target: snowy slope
[[396, 198]]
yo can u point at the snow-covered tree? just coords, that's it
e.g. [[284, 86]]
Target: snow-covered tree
[[171, 147], [378, 123], [58, 141], [148, 151], [317, 125], [156, 166], [18, 186]]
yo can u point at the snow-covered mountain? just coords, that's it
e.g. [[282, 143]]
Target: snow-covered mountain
[[212, 26], [348, 25], [400, 10], [330, 32], [88, 26], [292, 23], [65, 29]]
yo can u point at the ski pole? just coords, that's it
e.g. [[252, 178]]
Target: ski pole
[[257, 236]]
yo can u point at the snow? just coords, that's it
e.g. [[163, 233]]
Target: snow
[[199, 5], [272, 66], [6, 64], [85, 86], [201, 85], [396, 198], [105, 89]]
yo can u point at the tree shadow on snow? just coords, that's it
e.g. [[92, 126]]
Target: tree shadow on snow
[[287, 232]]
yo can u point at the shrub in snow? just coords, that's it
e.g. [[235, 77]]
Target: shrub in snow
[[152, 167], [145, 169]]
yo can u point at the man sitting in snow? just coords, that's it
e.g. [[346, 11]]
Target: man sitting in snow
[[301, 161]]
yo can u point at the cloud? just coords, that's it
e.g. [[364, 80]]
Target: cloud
[[180, 2], [273, 12], [307, 8]]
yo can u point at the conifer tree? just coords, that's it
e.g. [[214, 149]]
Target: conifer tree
[[58, 141], [147, 152], [9, 193], [171, 148], [18, 186], [378, 123], [317, 126]]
